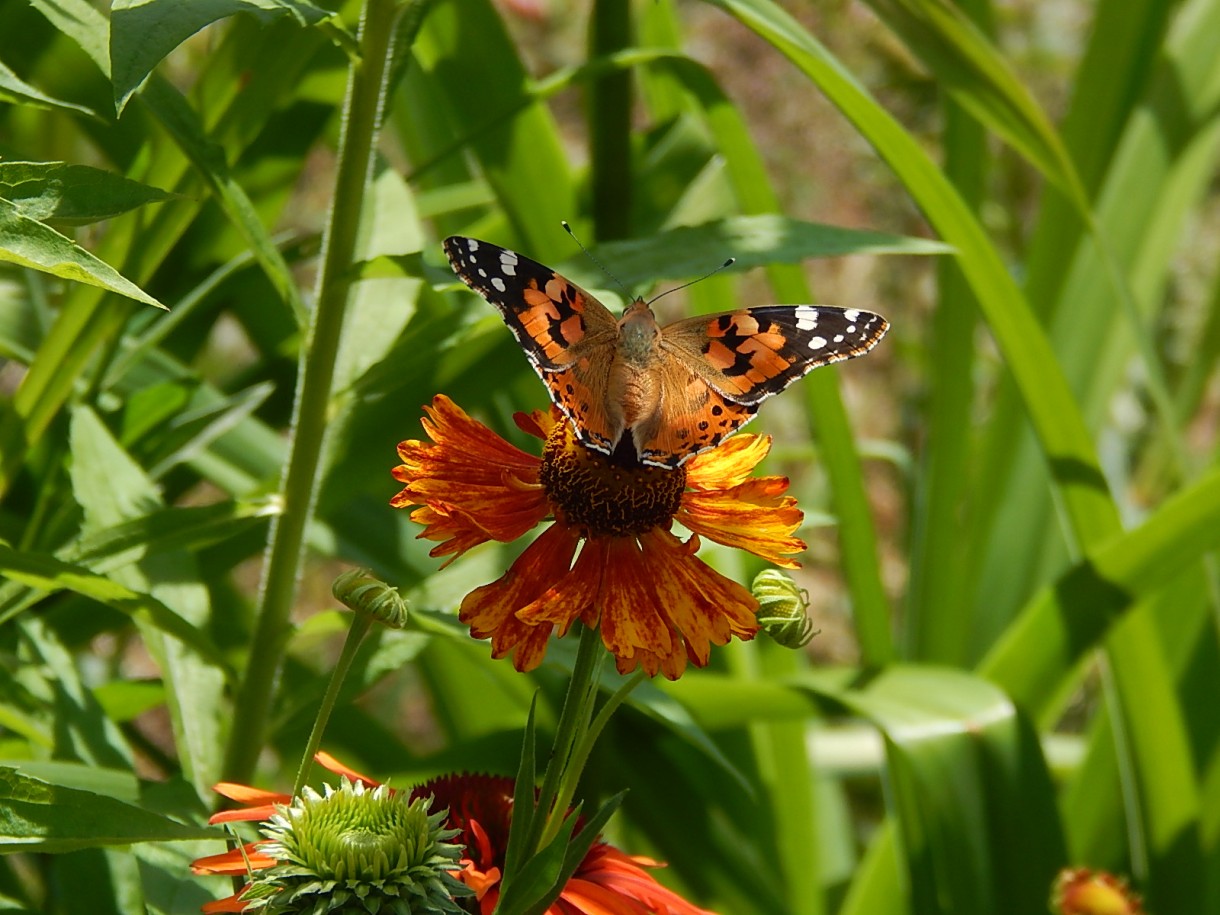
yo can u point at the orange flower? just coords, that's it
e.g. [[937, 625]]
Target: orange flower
[[607, 881], [1080, 891], [610, 558]]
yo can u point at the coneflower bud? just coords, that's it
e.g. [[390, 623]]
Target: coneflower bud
[[353, 850]]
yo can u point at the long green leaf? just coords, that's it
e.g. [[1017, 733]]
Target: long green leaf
[[1046, 397], [38, 816]]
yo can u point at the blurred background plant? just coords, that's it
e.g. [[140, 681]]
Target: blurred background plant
[[1012, 570]]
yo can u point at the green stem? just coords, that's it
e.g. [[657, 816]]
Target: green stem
[[573, 724], [580, 755], [361, 117], [361, 623]]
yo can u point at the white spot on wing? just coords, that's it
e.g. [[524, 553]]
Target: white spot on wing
[[806, 317], [498, 283], [472, 244], [852, 314], [817, 342]]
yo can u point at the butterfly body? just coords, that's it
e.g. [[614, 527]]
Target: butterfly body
[[644, 393]]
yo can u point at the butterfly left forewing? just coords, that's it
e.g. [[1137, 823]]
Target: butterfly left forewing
[[750, 354], [553, 319]]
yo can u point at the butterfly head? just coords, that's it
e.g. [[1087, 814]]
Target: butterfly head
[[638, 333]]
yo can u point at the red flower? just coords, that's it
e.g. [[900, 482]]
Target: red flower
[[610, 558], [607, 882]]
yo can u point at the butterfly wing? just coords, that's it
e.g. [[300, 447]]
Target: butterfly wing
[[693, 417], [751, 354], [566, 333], [722, 367]]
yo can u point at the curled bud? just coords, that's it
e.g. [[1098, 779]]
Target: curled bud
[[360, 592], [782, 609]]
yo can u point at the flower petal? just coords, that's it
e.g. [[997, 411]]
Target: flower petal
[[696, 602], [729, 464], [632, 601], [329, 762], [491, 610], [754, 515], [233, 862], [575, 595], [477, 486]]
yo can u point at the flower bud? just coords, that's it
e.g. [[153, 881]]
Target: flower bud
[[782, 609], [360, 592]]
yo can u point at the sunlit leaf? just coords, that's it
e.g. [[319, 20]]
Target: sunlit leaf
[[27, 242]]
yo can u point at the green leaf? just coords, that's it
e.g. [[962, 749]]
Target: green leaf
[[1063, 435], [28, 243], [72, 195], [1068, 618], [755, 241], [972, 796], [539, 877], [17, 91], [51, 575], [39, 816], [143, 32], [968, 67]]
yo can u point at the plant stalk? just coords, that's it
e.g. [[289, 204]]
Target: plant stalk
[[362, 108]]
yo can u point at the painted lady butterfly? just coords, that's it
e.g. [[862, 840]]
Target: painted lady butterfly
[[645, 393]]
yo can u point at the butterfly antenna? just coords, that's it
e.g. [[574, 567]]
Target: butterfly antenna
[[593, 257], [728, 263]]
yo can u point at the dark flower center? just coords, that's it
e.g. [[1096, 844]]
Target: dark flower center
[[605, 498]]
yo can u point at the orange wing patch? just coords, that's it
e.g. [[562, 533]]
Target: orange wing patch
[[697, 417], [579, 392]]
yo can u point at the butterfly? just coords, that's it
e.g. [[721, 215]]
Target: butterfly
[[646, 394]]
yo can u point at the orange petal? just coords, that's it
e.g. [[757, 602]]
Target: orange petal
[[729, 464], [244, 794], [573, 596], [631, 603], [754, 516], [234, 861], [232, 903], [327, 761], [478, 486], [244, 814], [491, 610]]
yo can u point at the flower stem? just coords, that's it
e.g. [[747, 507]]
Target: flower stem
[[580, 754], [361, 623], [561, 777], [311, 412]]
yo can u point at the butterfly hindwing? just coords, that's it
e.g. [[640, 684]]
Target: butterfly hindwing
[[695, 418]]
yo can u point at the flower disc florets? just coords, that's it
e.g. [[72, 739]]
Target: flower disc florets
[[357, 852], [601, 497]]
